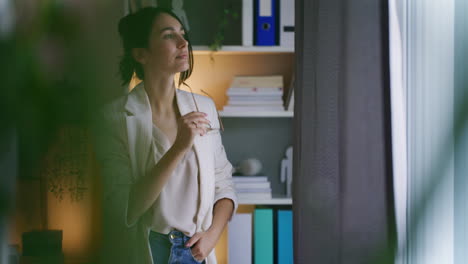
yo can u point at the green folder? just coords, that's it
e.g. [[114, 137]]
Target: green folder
[[263, 236]]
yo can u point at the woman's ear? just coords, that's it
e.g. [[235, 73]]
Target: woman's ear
[[139, 55]]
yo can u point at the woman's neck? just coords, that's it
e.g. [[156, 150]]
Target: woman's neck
[[161, 93]]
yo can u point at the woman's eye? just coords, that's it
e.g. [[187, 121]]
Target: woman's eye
[[169, 36]]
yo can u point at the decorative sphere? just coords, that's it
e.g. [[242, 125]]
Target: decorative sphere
[[249, 167]]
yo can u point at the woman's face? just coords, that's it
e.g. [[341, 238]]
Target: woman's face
[[167, 50]]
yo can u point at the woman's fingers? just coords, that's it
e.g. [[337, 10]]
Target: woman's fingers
[[189, 125], [197, 118], [193, 240], [197, 122]]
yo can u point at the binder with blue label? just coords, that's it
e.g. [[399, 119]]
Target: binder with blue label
[[263, 236], [285, 237], [266, 22]]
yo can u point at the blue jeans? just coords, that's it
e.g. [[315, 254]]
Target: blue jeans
[[170, 248]]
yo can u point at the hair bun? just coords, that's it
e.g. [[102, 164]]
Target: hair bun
[[125, 25]]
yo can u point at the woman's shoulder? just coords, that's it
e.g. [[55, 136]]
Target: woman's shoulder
[[114, 108]]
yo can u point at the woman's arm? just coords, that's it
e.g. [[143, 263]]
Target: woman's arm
[[147, 189], [205, 241], [222, 211]]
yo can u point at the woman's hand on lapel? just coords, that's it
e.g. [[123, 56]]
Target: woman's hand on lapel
[[188, 126]]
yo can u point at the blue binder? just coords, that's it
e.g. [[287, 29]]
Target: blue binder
[[285, 237], [266, 22]]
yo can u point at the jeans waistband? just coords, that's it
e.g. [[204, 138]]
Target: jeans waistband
[[176, 237]]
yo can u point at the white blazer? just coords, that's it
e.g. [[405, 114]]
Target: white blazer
[[123, 143]]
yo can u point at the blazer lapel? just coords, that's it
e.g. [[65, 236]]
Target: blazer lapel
[[139, 124], [186, 105]]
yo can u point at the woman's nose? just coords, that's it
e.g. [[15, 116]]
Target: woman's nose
[[182, 41]]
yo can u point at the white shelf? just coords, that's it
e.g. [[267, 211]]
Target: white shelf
[[257, 114], [243, 49], [273, 201]]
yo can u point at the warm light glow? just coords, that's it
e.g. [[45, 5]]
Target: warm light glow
[[133, 82], [76, 221]]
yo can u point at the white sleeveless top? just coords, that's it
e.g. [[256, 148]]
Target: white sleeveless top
[[178, 203]]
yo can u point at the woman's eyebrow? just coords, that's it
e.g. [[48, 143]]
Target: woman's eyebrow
[[171, 28]]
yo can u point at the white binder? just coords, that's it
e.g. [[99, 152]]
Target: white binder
[[247, 22], [240, 239], [287, 23]]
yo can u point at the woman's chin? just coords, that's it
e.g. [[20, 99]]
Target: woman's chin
[[183, 68]]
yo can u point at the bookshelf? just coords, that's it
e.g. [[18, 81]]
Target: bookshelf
[[253, 114], [276, 200], [213, 72], [247, 49], [248, 134]]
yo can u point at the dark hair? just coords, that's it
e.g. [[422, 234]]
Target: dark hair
[[134, 30]]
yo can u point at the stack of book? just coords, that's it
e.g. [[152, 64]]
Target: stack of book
[[255, 93], [252, 187]]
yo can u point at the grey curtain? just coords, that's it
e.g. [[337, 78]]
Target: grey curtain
[[342, 189]]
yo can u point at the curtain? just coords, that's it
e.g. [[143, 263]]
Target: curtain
[[398, 89], [429, 65], [343, 190], [461, 132]]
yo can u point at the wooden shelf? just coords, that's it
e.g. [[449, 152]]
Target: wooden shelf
[[254, 114], [242, 49], [276, 200]]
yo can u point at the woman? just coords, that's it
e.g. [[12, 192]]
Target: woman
[[168, 190]]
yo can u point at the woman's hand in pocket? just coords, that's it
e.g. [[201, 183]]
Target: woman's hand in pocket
[[202, 244]]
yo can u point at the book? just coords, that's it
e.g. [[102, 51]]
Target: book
[[240, 239], [252, 185], [290, 106], [289, 97], [230, 108], [285, 237], [253, 190], [267, 81], [254, 103], [263, 236], [235, 101], [238, 179], [244, 99], [255, 89], [255, 98], [253, 196], [256, 92]]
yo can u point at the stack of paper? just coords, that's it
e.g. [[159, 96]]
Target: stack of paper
[[252, 187], [255, 93]]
